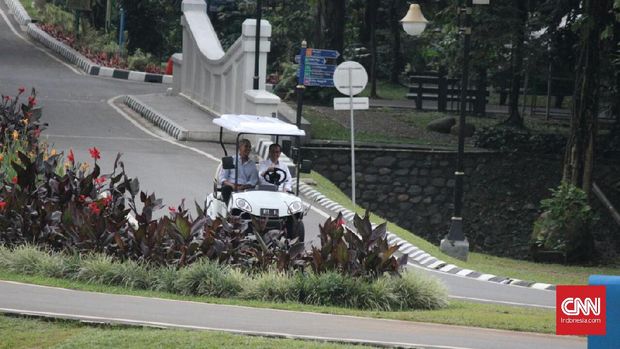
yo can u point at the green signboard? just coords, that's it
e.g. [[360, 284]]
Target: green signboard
[[81, 5]]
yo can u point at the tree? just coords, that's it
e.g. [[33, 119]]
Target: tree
[[331, 21], [516, 57], [153, 26], [395, 30], [580, 149], [372, 7]]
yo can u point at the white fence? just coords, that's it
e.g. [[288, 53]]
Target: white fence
[[222, 81]]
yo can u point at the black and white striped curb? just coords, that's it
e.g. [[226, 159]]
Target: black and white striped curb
[[74, 57], [167, 125], [130, 75], [18, 11], [69, 54], [416, 255]]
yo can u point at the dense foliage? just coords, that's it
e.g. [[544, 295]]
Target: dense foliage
[[565, 225], [509, 139], [207, 278]]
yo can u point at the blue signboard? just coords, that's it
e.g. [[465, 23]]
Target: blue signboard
[[317, 68], [323, 53], [322, 82], [313, 60]]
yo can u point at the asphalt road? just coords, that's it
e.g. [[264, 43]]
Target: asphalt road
[[84, 112], [97, 307]]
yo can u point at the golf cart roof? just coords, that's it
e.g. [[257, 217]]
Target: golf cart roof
[[257, 125]]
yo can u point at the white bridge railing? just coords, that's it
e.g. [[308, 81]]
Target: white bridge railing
[[222, 81]]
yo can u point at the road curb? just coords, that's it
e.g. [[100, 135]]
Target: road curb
[[18, 11], [418, 256], [72, 56], [167, 125]]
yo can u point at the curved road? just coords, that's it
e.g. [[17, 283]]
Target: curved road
[[83, 113]]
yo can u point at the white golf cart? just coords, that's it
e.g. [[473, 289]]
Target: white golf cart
[[265, 204]]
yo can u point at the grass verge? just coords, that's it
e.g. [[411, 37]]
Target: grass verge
[[18, 332], [456, 313], [519, 269]]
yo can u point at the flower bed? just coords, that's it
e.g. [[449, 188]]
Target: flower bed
[[95, 45]]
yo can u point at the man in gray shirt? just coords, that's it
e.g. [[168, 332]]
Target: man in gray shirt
[[247, 175]]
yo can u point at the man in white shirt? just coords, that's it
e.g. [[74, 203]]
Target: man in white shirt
[[247, 176], [271, 164]]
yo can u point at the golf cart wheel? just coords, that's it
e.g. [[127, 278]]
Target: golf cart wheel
[[295, 229]]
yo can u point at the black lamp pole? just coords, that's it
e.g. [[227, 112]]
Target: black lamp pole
[[259, 13], [456, 226]]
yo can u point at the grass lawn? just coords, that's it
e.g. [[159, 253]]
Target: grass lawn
[[524, 270], [457, 313], [387, 90], [406, 126], [18, 332]]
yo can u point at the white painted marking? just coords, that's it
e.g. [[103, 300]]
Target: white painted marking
[[408, 249], [465, 272], [448, 267], [540, 286], [137, 76], [105, 71], [485, 277], [425, 260], [435, 264], [422, 256], [503, 302]]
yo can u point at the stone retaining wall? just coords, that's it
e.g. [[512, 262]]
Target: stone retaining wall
[[414, 188]]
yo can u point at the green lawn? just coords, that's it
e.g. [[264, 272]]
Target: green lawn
[[456, 313], [524, 270], [17, 333], [387, 90]]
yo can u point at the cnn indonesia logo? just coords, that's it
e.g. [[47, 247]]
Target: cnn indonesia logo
[[580, 310]]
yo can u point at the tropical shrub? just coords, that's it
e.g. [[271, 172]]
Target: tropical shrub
[[508, 139], [565, 224], [209, 278], [366, 253]]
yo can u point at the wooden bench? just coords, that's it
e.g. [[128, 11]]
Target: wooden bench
[[433, 86]]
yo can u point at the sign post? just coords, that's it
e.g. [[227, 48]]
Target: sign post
[[316, 68], [350, 78]]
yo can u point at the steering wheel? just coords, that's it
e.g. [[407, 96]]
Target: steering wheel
[[276, 176]]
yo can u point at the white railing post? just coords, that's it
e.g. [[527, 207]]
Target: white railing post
[[221, 80]]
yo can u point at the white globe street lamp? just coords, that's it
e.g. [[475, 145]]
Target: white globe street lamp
[[414, 22]]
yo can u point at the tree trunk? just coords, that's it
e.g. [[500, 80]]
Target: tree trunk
[[397, 57], [331, 20], [372, 6], [514, 118], [615, 108], [579, 156]]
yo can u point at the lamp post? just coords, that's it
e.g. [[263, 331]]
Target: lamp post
[[259, 13], [455, 243]]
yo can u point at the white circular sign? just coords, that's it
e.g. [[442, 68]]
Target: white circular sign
[[350, 78]]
